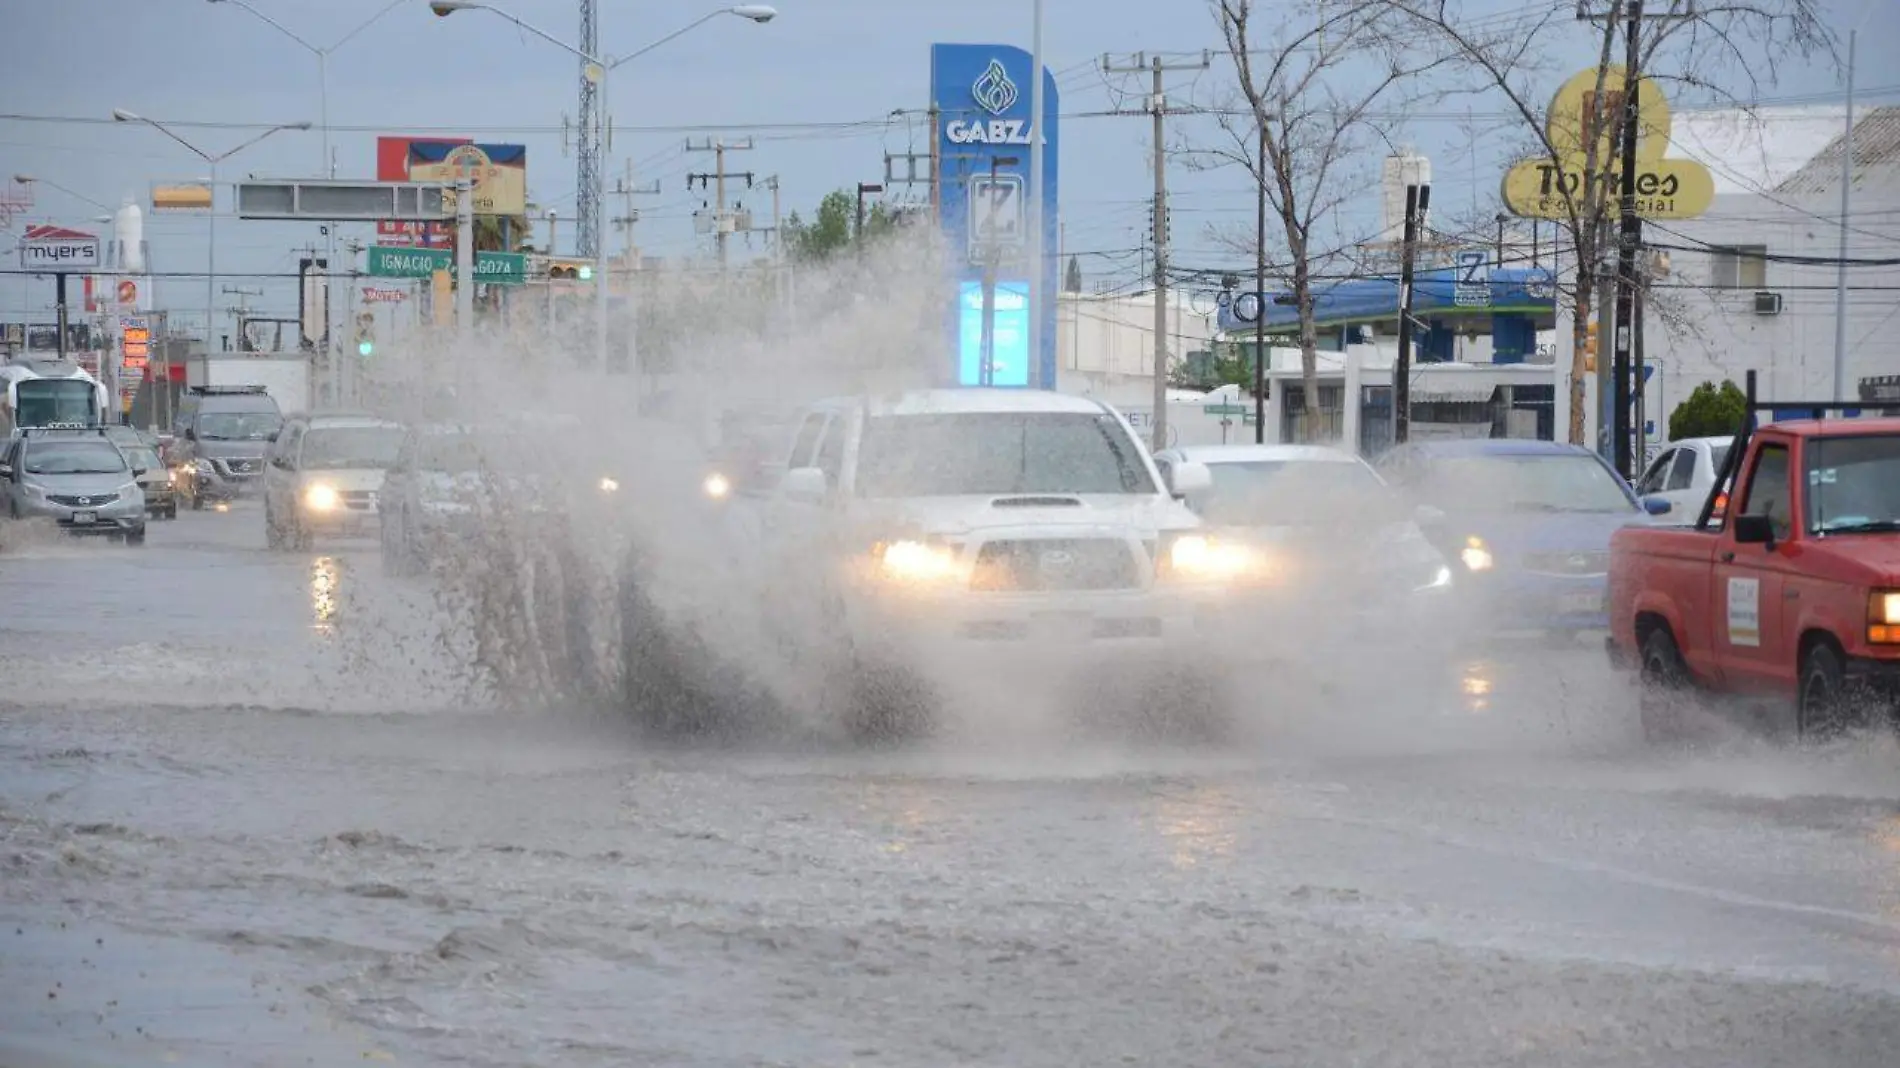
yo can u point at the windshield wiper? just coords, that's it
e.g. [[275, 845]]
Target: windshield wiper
[[1869, 526]]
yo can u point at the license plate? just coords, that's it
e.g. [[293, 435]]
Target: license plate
[[1068, 626], [1580, 602], [85, 519]]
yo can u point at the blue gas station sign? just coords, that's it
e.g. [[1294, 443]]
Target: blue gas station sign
[[982, 93]]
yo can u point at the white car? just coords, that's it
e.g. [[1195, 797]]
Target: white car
[[1682, 474], [323, 475], [1324, 549], [985, 521]]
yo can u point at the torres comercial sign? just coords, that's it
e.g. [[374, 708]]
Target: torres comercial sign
[[1580, 116], [55, 248]]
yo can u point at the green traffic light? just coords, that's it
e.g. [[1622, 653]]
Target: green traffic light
[[365, 347], [586, 272]]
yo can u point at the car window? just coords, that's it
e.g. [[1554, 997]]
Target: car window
[[74, 458], [1854, 484], [144, 456], [339, 447], [1770, 492], [999, 453], [1654, 479], [830, 458], [238, 426], [807, 440], [1524, 482], [1682, 470]]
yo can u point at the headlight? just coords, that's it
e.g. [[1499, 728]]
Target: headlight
[[1883, 617], [717, 486], [128, 488], [171, 477], [608, 485], [916, 562], [1476, 556], [321, 498], [1206, 558], [1440, 580]]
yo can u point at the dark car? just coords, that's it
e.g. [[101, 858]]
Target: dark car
[[222, 435], [1526, 525]]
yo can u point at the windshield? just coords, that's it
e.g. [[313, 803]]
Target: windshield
[[983, 453], [455, 454], [238, 426], [42, 402], [143, 456], [334, 448], [1854, 484], [74, 458], [1525, 483], [1293, 493]]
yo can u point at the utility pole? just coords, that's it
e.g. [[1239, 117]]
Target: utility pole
[[587, 141], [721, 217], [626, 191], [1418, 200], [857, 232], [1260, 294], [1157, 109], [1625, 378]]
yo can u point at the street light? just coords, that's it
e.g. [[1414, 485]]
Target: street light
[[29, 179], [596, 71], [211, 217]]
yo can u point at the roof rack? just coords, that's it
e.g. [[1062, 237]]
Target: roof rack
[[204, 391], [63, 428], [1732, 463]]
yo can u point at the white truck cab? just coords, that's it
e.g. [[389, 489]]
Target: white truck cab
[[1008, 518]]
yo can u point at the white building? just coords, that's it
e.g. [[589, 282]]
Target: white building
[[1105, 342], [1751, 284]]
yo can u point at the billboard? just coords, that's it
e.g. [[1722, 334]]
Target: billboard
[[982, 93], [500, 173]]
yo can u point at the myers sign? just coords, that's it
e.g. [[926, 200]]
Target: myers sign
[[55, 248]]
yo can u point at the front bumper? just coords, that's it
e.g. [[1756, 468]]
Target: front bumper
[[224, 480], [1256, 625], [1105, 623], [1505, 603], [115, 517], [355, 514]]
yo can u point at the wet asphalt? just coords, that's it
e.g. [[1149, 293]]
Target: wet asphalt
[[250, 816]]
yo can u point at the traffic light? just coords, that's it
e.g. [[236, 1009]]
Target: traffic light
[[1590, 346], [570, 270], [365, 334]]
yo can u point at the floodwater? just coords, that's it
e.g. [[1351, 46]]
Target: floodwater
[[248, 817]]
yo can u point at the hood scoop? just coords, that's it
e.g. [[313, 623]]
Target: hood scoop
[[1036, 502]]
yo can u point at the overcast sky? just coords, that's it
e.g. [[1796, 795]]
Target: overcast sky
[[819, 62]]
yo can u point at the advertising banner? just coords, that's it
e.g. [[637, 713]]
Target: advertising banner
[[499, 173], [983, 96]]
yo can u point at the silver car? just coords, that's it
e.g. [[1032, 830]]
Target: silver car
[[77, 478]]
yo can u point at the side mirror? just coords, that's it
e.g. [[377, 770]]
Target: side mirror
[[807, 484], [1754, 530], [141, 472], [273, 435], [191, 434], [1657, 506], [6, 470], [1426, 515], [1190, 477]]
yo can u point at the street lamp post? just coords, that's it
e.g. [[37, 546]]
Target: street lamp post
[[211, 217], [597, 71]]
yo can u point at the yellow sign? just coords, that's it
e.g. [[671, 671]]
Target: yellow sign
[[1580, 115], [498, 190]]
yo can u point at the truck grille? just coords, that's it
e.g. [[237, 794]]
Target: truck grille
[[90, 500], [1577, 563], [1056, 564], [359, 500]]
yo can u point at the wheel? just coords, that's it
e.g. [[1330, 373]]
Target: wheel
[[1665, 684], [887, 704], [273, 534], [1822, 710], [171, 510], [197, 498], [399, 556], [135, 536]]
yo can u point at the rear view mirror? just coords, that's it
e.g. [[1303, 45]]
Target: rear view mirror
[[1657, 506], [1754, 530], [1190, 477], [806, 484]]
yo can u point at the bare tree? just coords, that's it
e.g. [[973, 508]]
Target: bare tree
[[1713, 45], [1313, 101]]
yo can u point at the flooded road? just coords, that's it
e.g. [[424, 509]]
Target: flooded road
[[246, 819]]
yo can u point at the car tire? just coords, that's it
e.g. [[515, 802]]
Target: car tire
[[1665, 687], [135, 536], [887, 704], [1822, 701]]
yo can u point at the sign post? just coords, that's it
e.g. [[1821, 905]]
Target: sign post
[[58, 251]]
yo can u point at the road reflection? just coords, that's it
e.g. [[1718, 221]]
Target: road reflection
[[325, 575], [1197, 824]]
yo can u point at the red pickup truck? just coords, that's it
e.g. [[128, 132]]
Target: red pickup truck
[[1791, 593]]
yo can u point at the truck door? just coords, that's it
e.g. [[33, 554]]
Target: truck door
[[1750, 581]]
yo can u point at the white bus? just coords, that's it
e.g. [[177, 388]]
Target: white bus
[[48, 393]]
